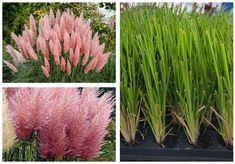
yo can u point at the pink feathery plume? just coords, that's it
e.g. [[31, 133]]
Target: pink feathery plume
[[52, 17], [43, 47], [57, 30], [10, 91], [53, 36], [68, 68], [73, 41], [47, 64], [11, 66], [26, 36], [25, 106], [57, 51], [102, 61], [52, 135], [76, 56], [11, 51], [23, 48], [98, 117], [71, 55], [86, 44], [69, 22], [58, 16], [31, 52], [45, 27], [15, 38], [66, 42], [62, 26], [69, 122], [45, 71], [57, 122], [51, 45], [62, 64], [10, 94], [91, 65], [32, 24]]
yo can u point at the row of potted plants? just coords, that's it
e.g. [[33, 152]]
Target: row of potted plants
[[177, 63]]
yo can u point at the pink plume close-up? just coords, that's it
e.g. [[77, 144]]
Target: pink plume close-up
[[69, 122]]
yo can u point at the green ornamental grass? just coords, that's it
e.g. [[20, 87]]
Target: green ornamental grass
[[185, 58], [130, 96]]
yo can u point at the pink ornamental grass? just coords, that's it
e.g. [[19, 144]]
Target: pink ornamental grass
[[70, 122], [62, 36]]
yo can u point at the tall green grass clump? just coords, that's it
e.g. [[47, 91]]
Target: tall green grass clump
[[155, 72], [130, 75], [185, 58]]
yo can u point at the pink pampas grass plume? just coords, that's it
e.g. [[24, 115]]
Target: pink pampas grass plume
[[59, 122], [15, 38], [69, 122], [11, 66], [62, 64], [47, 64], [98, 117], [91, 65], [24, 108], [32, 25], [31, 52], [52, 17], [62, 26], [102, 61], [71, 54], [73, 40], [45, 71], [68, 68], [66, 42], [76, 55], [43, 47], [53, 124], [17, 57], [57, 51], [51, 45]]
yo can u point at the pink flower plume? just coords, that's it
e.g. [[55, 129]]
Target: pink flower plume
[[33, 25], [11, 66], [68, 68], [43, 47], [62, 64], [66, 42], [47, 64], [45, 71], [70, 122]]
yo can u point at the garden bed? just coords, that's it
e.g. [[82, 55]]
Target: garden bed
[[210, 148]]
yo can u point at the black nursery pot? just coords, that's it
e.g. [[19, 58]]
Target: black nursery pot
[[177, 149]]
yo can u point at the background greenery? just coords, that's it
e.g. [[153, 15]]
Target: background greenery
[[15, 15]]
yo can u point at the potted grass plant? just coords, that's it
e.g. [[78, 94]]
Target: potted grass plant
[[130, 97], [183, 60]]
